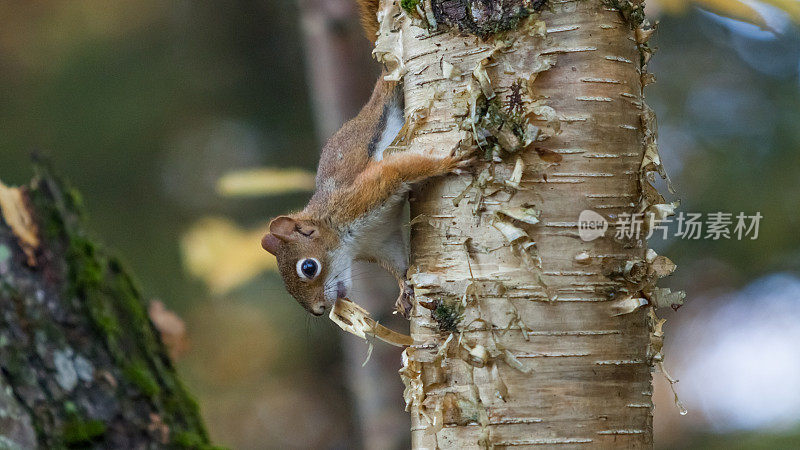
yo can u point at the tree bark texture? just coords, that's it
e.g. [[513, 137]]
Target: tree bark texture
[[517, 341], [82, 365]]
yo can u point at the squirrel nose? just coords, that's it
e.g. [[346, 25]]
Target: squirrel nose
[[318, 310]]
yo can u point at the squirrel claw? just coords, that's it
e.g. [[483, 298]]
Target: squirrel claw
[[404, 302], [465, 165]]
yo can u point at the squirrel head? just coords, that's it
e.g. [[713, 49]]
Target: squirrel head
[[302, 248]]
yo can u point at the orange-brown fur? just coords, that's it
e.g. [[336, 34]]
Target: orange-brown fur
[[382, 178], [344, 157]]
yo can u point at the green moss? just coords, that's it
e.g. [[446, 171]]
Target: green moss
[[70, 407], [74, 200], [499, 115], [82, 431], [180, 402], [138, 374], [129, 299], [497, 128], [114, 303], [103, 316], [448, 315], [86, 272], [188, 439], [409, 5]]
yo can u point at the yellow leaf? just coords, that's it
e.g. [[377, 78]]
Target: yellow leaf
[[223, 255], [731, 8], [736, 9], [14, 209], [265, 181], [791, 7]]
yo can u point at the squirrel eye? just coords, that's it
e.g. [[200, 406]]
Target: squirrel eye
[[308, 268]]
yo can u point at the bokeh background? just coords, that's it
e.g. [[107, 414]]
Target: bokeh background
[[145, 106]]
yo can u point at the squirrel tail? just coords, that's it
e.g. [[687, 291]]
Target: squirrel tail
[[369, 18]]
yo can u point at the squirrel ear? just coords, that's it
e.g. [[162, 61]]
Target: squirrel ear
[[283, 228], [307, 230], [270, 243], [287, 229]]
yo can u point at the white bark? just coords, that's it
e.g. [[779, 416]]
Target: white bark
[[584, 378]]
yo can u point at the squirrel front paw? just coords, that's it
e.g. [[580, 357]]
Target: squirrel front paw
[[465, 165], [405, 302], [462, 164]]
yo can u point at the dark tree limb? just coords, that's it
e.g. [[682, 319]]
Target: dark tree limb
[[484, 17], [82, 365]]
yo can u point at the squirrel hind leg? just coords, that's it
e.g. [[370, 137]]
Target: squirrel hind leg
[[405, 301]]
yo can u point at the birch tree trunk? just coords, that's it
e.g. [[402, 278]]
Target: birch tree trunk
[[516, 339]]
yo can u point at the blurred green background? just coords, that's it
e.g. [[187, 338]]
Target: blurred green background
[[144, 105]]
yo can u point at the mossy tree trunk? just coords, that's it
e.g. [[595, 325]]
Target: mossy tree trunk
[[82, 365], [517, 340]]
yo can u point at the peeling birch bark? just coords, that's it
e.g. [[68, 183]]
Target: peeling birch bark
[[530, 353]]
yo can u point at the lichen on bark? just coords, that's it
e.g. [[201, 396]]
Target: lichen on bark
[[484, 18], [79, 355]]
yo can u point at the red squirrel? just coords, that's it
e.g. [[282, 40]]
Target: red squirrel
[[356, 210]]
